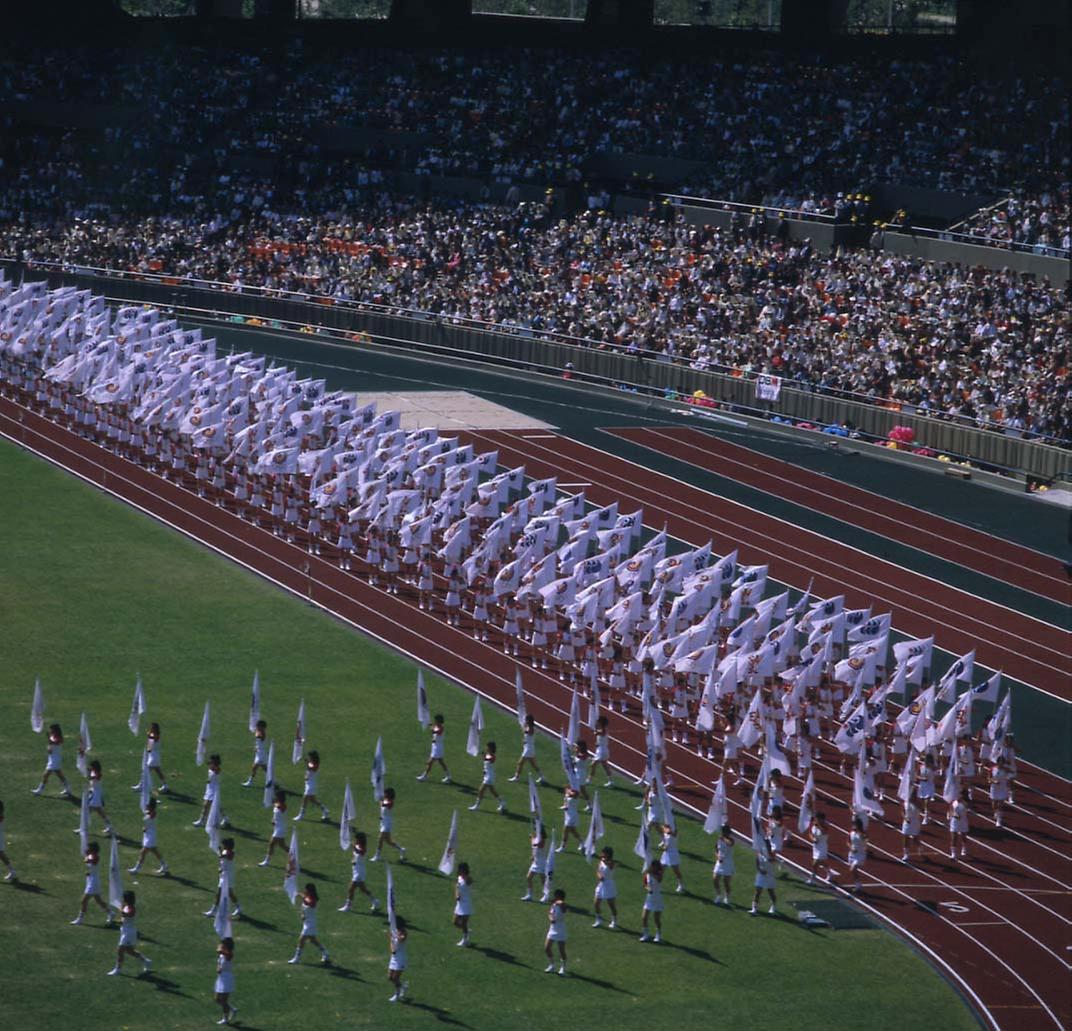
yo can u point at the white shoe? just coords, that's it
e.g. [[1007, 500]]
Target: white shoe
[[527, 897], [375, 858], [375, 905], [37, 791], [294, 959], [146, 966], [300, 816], [163, 871], [210, 912], [474, 807], [445, 780], [134, 869], [264, 862], [394, 998], [772, 911], [561, 971], [561, 848], [502, 807], [248, 783], [613, 925], [10, 875], [463, 944], [324, 815], [513, 778], [549, 969], [199, 822], [597, 922], [422, 776], [77, 921], [752, 911], [344, 908], [325, 959], [237, 911], [657, 938], [113, 971], [645, 937], [401, 855], [680, 889]]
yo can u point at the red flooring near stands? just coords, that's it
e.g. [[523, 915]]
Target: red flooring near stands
[[999, 923]]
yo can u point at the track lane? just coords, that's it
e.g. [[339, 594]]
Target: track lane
[[966, 546]]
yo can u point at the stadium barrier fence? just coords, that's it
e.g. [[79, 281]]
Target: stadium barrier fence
[[652, 373]]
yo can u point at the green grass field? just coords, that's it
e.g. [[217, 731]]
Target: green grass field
[[92, 592]]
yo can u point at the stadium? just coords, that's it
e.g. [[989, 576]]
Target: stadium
[[536, 512]]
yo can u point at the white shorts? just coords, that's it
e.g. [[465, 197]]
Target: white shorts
[[54, 762], [224, 984], [437, 748], [128, 936], [92, 885], [148, 837], [653, 905], [856, 859], [460, 910], [606, 891], [308, 927], [724, 869], [528, 748], [765, 881], [819, 853], [538, 868], [357, 870], [396, 964], [557, 934]]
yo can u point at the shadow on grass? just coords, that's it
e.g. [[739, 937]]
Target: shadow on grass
[[694, 952], [345, 973], [598, 982], [317, 875], [260, 925], [178, 796], [162, 984], [442, 1015], [499, 956], [33, 889], [186, 882]]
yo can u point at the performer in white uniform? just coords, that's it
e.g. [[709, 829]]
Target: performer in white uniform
[[278, 836], [10, 875], [959, 812], [764, 881], [358, 850], [602, 753], [437, 752], [653, 901], [538, 864], [820, 849], [463, 903], [396, 966], [227, 854], [153, 757], [309, 796], [92, 890], [224, 985], [857, 851], [148, 839], [128, 937], [260, 752], [487, 783], [671, 857], [911, 827], [528, 750], [310, 900], [387, 823], [556, 932], [724, 866], [606, 890], [212, 790]]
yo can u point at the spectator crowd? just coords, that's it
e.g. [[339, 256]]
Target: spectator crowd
[[226, 166]]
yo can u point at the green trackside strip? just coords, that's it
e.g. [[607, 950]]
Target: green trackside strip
[[92, 592]]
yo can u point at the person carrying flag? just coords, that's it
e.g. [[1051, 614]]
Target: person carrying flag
[[148, 840], [309, 797], [358, 850], [764, 881], [724, 865], [260, 752], [128, 937], [224, 985], [387, 822], [606, 891], [857, 851], [227, 854], [528, 749], [278, 837], [488, 781], [556, 933], [436, 754], [653, 901], [310, 900], [463, 903], [396, 965], [92, 890], [538, 864]]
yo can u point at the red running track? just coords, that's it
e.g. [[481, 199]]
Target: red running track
[[994, 556], [999, 930], [1029, 650]]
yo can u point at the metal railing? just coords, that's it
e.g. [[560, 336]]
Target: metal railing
[[416, 318], [686, 200]]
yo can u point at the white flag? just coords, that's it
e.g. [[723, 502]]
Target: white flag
[[566, 758], [290, 881], [904, 782], [212, 823], [950, 789], [255, 702], [716, 814], [37, 710], [778, 758], [269, 777], [864, 799], [759, 838], [423, 715], [85, 743], [115, 878], [391, 920], [594, 703], [954, 723], [137, 707], [705, 714], [83, 821], [549, 866], [987, 691], [574, 729], [298, 750], [642, 847], [202, 738], [379, 771], [349, 814], [476, 728], [145, 785], [446, 864], [805, 814], [521, 712], [595, 828], [534, 802], [222, 923]]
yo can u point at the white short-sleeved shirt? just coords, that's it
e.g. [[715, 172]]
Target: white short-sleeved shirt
[[489, 770], [463, 904], [387, 819], [224, 976], [357, 866], [212, 785], [539, 858], [308, 915], [55, 757], [398, 956], [279, 823], [92, 877], [570, 819], [605, 887], [528, 745], [148, 831], [437, 744], [724, 865], [653, 898], [556, 926]]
